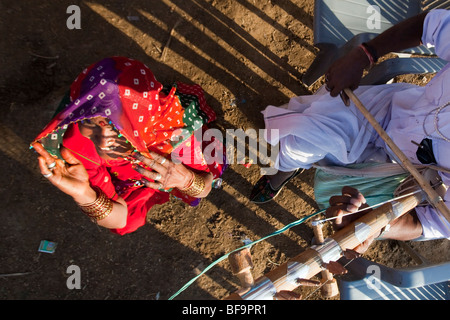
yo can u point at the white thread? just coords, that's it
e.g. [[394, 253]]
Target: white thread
[[362, 231], [264, 289], [317, 222], [296, 270], [328, 251]]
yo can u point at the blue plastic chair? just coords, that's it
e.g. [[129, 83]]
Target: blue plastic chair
[[388, 69], [340, 25], [367, 280]]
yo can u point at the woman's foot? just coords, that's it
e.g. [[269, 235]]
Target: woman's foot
[[268, 187]]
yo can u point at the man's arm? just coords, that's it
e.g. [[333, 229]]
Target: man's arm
[[406, 34], [347, 71]]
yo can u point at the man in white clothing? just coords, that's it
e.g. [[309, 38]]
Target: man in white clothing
[[321, 128]]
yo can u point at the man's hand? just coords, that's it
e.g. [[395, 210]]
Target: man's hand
[[346, 72], [351, 201]]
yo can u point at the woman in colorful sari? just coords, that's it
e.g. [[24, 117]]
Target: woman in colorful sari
[[123, 143]]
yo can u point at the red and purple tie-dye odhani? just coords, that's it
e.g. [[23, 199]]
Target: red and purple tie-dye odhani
[[151, 117]]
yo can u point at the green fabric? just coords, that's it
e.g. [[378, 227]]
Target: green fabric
[[375, 190], [53, 142]]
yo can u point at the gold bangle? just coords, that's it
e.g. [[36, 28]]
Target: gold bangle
[[100, 208], [196, 186], [190, 182]]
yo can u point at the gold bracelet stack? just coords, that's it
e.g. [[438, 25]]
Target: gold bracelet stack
[[98, 209], [195, 187]]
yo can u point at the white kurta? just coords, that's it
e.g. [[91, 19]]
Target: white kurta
[[319, 128]]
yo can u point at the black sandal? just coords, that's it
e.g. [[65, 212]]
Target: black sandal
[[264, 192]]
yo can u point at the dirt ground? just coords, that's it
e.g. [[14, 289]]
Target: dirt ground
[[246, 54]]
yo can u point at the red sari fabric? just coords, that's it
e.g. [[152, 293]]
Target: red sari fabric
[[150, 116]]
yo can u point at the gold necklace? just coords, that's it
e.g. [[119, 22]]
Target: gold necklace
[[436, 123]]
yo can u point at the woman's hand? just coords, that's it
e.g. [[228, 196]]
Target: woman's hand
[[168, 174], [351, 201], [69, 175]]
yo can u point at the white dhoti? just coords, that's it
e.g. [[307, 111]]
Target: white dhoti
[[319, 127]]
